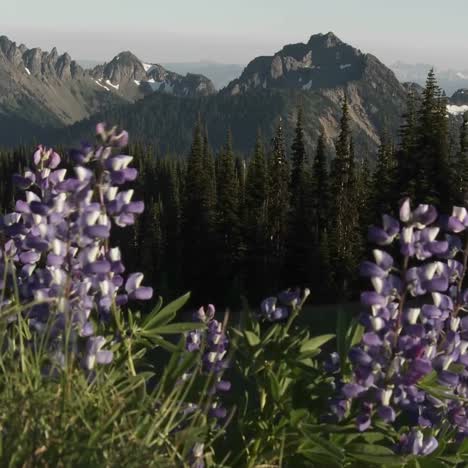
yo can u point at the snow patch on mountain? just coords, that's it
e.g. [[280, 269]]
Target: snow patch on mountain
[[113, 85], [457, 110], [147, 66], [101, 85], [27, 70]]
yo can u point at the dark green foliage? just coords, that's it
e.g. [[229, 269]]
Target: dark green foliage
[[255, 223], [198, 213], [384, 179], [423, 157], [460, 178], [344, 227], [228, 221], [277, 206], [300, 243], [251, 224]]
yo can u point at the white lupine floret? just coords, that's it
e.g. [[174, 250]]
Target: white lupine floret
[[31, 196], [121, 162], [413, 314], [127, 196], [58, 247], [103, 219], [430, 270], [82, 173], [446, 361], [89, 197], [431, 352], [115, 254], [377, 283], [407, 234], [437, 298], [386, 396], [28, 269], [405, 211], [111, 193], [92, 217], [60, 201], [92, 253], [459, 212], [463, 346], [377, 323], [454, 323], [61, 173], [105, 287], [58, 276], [433, 232]]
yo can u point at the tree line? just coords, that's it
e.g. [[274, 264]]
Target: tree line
[[228, 225]]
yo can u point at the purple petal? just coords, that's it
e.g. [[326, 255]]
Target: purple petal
[[104, 357]]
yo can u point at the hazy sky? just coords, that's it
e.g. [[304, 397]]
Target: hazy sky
[[235, 31]]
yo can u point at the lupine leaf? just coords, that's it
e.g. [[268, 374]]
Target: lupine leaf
[[165, 315], [314, 343]]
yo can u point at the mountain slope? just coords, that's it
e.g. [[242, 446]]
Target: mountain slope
[[127, 75], [316, 76], [45, 89]]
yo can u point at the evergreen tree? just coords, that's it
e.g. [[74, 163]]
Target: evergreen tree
[[320, 188], [255, 223], [198, 216], [344, 221], [461, 166], [278, 205], [432, 146], [384, 180], [299, 244], [227, 215], [407, 162]]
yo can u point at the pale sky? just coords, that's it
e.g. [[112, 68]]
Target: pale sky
[[236, 31]]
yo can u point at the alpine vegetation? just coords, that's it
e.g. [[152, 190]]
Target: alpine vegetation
[[89, 379], [409, 369], [58, 261]]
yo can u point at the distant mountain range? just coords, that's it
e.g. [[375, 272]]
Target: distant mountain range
[[449, 80], [48, 89], [47, 96]]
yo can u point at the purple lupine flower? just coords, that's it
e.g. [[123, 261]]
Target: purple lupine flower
[[57, 242], [214, 342], [95, 354], [197, 456], [280, 307], [411, 330], [416, 443]]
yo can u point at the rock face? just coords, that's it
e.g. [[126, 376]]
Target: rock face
[[132, 78], [460, 98], [51, 89], [326, 69], [324, 62], [46, 88]]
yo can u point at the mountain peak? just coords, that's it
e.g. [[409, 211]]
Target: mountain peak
[[323, 62], [329, 39]]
